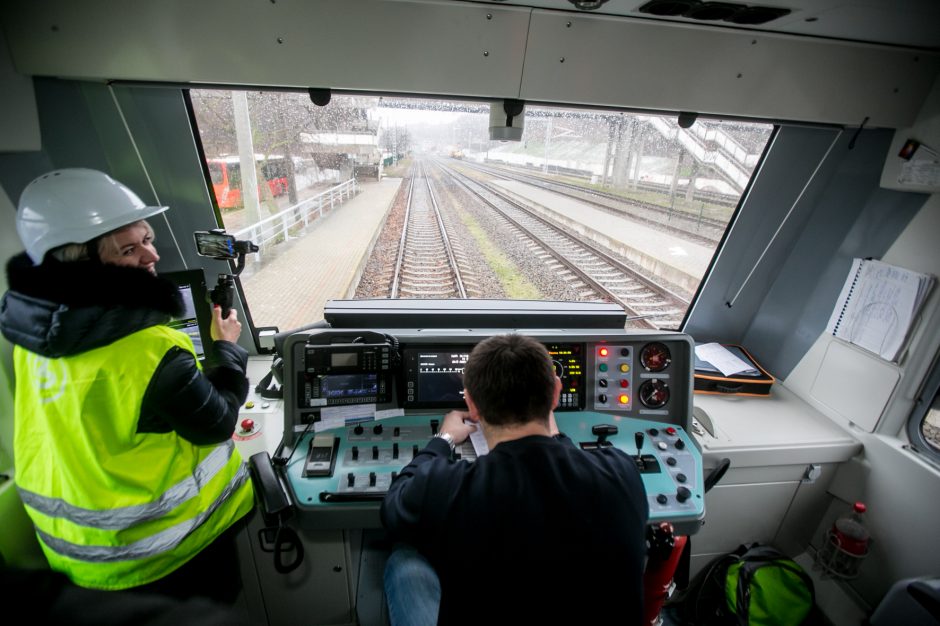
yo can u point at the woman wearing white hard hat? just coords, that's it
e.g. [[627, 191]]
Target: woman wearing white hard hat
[[123, 452]]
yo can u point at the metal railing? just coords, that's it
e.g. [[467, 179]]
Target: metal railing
[[277, 228]]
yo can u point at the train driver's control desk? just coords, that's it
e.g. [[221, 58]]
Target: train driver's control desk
[[360, 403]]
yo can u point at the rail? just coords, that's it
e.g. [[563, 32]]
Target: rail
[[274, 229]]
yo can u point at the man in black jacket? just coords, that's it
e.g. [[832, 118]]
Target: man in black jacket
[[536, 531]]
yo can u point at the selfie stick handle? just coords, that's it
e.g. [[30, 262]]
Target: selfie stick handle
[[224, 294]]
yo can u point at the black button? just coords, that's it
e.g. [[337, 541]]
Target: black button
[[377, 429], [355, 453], [680, 444], [624, 351], [351, 479], [671, 460], [681, 478], [683, 494], [396, 432], [372, 479], [358, 429], [653, 432], [662, 499]]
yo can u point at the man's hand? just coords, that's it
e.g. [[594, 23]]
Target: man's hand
[[227, 329], [453, 425]]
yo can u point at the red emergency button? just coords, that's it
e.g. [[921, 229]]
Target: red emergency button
[[670, 430]]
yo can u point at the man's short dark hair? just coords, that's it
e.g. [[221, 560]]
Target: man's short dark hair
[[511, 380]]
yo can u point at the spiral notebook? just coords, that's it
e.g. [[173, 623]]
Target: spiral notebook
[[878, 306]]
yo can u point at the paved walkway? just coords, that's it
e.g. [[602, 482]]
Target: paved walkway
[[296, 279]]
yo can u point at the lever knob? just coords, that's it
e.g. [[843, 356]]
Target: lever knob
[[638, 438], [683, 494], [603, 431]]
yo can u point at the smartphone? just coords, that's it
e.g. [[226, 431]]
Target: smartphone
[[215, 245]]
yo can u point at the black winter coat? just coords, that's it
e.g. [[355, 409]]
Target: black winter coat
[[59, 309]]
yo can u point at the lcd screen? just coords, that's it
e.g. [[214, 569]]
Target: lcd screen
[[440, 376], [348, 385]]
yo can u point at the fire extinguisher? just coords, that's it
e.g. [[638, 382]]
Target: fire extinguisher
[[663, 554]]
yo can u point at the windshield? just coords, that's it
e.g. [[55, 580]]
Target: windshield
[[378, 197]]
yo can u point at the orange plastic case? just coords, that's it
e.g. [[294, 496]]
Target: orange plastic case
[[709, 380]]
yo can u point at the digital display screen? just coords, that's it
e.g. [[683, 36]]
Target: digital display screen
[[434, 375], [188, 321], [440, 376], [348, 385], [344, 359]]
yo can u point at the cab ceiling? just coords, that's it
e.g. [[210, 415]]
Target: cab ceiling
[[475, 49]]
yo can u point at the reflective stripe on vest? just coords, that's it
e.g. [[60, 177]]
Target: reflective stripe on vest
[[150, 546], [124, 517], [113, 507]]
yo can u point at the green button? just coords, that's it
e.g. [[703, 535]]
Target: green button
[[602, 367]]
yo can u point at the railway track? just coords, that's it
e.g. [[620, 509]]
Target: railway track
[[426, 266], [693, 228], [592, 271]]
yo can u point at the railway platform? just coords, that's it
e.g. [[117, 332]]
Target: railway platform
[[333, 251], [677, 260]]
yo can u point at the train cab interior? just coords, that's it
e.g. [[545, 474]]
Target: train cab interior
[[641, 185]]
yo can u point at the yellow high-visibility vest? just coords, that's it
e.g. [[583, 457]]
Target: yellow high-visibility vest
[[114, 508]]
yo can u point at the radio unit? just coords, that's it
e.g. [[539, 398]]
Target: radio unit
[[338, 374]]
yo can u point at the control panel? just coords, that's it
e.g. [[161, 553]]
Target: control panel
[[359, 404], [640, 374], [366, 458]]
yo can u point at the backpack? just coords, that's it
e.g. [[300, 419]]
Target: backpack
[[753, 586]]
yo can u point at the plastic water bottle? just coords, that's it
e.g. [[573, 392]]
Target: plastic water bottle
[[850, 532]]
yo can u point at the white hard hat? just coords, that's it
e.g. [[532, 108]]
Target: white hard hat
[[75, 206]]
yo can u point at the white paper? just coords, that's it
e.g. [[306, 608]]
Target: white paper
[[925, 172], [479, 442], [721, 358], [328, 424], [339, 416], [877, 307], [387, 413]]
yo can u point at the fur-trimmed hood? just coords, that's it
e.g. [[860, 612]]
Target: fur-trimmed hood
[[57, 309]]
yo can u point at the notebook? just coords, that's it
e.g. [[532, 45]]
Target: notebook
[[878, 306]]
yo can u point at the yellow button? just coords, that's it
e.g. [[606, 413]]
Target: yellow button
[[249, 405], [624, 367]]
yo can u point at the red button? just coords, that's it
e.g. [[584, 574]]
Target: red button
[[670, 431], [603, 351], [624, 383], [248, 425]]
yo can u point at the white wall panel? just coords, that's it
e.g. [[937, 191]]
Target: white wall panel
[[623, 61], [402, 46], [472, 49]]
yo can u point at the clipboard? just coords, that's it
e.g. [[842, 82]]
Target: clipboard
[[753, 382]]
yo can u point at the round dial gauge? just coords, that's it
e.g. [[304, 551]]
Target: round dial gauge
[[654, 393], [655, 357]]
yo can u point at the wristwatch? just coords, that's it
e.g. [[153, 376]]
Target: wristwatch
[[448, 438]]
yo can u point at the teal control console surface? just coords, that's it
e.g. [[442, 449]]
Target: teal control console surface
[[367, 456]]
